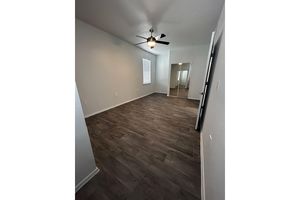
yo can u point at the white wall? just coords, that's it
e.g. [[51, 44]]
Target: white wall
[[162, 71], [109, 71], [214, 126], [84, 158], [221, 24], [196, 56]]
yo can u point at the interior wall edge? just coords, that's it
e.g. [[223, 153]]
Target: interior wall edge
[[85, 21], [202, 168], [86, 179]]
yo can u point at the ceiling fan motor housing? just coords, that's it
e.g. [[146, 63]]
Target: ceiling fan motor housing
[[151, 39]]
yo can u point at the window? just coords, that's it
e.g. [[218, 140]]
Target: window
[[146, 71]]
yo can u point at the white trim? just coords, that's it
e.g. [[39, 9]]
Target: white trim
[[159, 92], [86, 179], [202, 168], [194, 98], [105, 109], [183, 97]]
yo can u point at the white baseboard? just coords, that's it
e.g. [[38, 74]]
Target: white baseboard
[[105, 109], [159, 92], [202, 168], [86, 179], [193, 98]]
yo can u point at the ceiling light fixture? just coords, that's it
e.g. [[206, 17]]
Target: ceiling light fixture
[[179, 63], [151, 42]]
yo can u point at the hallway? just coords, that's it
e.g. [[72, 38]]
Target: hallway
[[147, 148]]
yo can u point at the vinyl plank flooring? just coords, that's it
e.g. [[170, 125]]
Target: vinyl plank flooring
[[145, 149]]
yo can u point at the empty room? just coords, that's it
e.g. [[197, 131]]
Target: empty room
[[147, 120], [149, 99]]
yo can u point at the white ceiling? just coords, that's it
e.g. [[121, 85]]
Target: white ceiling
[[185, 22]]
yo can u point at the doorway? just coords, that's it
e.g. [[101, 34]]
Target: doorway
[[180, 80]]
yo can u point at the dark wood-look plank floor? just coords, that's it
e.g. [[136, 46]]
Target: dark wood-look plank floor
[[145, 149], [182, 92]]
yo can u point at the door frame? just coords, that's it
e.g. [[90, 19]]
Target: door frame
[[211, 45], [169, 77]]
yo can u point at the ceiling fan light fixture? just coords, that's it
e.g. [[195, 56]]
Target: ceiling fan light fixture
[[151, 43]]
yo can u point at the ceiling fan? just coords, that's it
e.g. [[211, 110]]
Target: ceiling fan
[[151, 41]]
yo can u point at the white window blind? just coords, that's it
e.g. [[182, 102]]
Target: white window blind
[[146, 71]]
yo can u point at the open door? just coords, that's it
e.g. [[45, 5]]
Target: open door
[[204, 93]]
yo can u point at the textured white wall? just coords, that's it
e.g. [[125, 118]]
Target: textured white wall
[[162, 70], [196, 56], [213, 132], [109, 71], [84, 157]]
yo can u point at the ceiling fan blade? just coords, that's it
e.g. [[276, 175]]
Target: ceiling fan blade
[[160, 36], [162, 42], [141, 43], [141, 37]]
